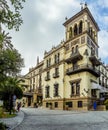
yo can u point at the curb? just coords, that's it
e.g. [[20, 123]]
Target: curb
[[20, 118]]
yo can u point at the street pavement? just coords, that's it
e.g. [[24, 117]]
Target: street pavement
[[43, 119], [11, 123]]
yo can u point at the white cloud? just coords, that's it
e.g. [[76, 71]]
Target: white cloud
[[51, 10], [43, 28], [105, 20], [102, 3], [103, 43]]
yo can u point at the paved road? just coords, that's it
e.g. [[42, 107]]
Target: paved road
[[41, 119]]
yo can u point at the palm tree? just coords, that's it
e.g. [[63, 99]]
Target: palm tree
[[7, 90]]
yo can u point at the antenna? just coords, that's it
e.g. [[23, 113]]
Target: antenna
[[81, 6], [85, 4]]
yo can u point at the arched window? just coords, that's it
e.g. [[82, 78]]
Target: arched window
[[72, 50], [75, 30], [80, 27], [70, 32], [76, 49]]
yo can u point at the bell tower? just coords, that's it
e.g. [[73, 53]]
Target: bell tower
[[82, 22], [81, 55]]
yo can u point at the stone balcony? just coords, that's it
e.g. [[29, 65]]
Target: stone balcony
[[74, 57], [81, 68], [94, 60]]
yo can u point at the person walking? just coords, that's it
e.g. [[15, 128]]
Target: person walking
[[18, 106]]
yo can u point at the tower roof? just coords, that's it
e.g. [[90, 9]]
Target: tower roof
[[80, 13]]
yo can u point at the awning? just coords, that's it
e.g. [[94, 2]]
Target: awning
[[103, 90], [98, 87], [95, 86]]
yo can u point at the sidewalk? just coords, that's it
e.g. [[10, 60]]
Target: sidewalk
[[13, 122]]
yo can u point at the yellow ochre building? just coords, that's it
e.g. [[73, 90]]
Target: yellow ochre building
[[71, 75]]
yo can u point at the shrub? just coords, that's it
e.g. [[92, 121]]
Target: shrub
[[2, 126], [106, 103]]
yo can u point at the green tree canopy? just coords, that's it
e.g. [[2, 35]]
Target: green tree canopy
[[10, 13], [10, 59], [10, 62]]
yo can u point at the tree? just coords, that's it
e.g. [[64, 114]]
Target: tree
[[10, 60], [10, 63], [10, 13], [8, 89]]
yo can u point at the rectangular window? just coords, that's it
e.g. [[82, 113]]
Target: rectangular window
[[56, 87], [92, 51], [93, 92], [33, 80], [82, 39], [77, 88], [48, 75], [75, 66], [70, 104], [47, 63], [33, 86], [47, 92], [56, 71], [47, 104], [30, 81], [80, 104], [72, 89], [67, 47], [56, 104], [105, 82], [57, 58]]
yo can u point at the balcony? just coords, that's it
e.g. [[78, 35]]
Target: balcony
[[74, 57], [47, 78], [94, 60], [81, 68], [55, 75]]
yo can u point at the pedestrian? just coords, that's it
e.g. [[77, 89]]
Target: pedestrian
[[18, 106], [94, 105]]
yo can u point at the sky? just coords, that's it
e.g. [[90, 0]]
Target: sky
[[43, 27]]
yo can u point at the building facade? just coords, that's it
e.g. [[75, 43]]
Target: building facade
[[71, 75]]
